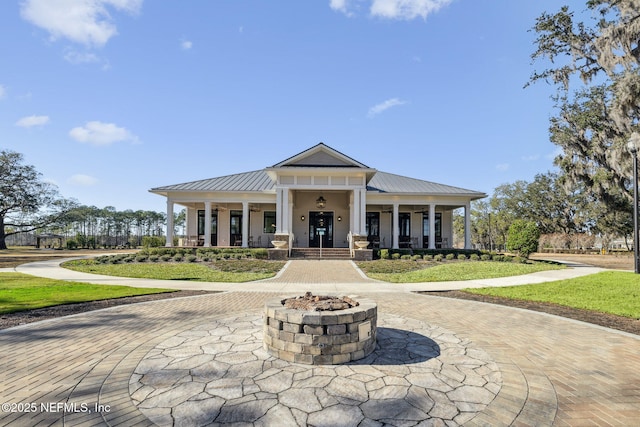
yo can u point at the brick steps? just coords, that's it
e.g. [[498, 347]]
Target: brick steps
[[327, 253]]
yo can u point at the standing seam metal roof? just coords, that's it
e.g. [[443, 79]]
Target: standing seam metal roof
[[260, 181], [247, 181]]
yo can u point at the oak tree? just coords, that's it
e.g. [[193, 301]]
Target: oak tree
[[27, 203]]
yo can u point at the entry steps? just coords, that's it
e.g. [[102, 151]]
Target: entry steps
[[327, 253]]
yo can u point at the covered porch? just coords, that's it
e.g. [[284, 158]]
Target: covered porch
[[318, 218]]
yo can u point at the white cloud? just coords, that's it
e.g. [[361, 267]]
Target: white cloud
[[392, 9], [75, 57], [82, 180], [186, 44], [503, 167], [98, 133], [82, 21], [531, 158], [383, 106], [30, 121], [339, 5], [406, 9]]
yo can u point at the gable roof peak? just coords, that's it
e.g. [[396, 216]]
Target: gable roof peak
[[320, 155]]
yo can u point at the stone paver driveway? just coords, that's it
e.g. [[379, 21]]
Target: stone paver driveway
[[552, 371]]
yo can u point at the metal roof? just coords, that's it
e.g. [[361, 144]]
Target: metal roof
[[247, 181], [259, 181], [384, 182]]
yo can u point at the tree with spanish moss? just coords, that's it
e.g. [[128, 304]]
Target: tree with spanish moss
[[594, 121], [27, 203]]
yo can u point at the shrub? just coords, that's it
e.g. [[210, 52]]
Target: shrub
[[405, 257], [519, 260], [498, 258], [384, 254], [462, 257], [191, 258], [416, 257], [141, 258], [427, 257], [165, 257], [523, 237], [72, 244], [438, 257], [154, 258], [450, 257], [485, 257], [395, 255], [153, 241], [178, 257], [474, 257]]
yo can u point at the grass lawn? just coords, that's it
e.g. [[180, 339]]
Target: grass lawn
[[236, 271], [612, 292], [413, 272], [24, 292]]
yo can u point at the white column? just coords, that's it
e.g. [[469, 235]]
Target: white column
[[169, 242], [278, 210], [432, 226], [245, 224], [396, 226], [467, 225], [207, 224], [282, 210], [363, 211], [357, 207]]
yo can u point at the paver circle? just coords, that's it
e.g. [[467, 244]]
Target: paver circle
[[218, 373]]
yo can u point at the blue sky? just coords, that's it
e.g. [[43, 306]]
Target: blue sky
[[124, 95]]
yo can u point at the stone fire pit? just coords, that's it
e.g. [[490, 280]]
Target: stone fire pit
[[320, 330]]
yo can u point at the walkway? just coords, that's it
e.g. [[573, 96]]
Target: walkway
[[325, 275], [551, 370]]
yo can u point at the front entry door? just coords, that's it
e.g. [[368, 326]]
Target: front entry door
[[320, 227]]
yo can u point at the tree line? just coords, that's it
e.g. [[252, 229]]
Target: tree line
[[566, 216], [31, 207]]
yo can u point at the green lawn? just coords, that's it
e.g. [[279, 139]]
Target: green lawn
[[613, 292], [236, 271], [24, 292], [413, 272]]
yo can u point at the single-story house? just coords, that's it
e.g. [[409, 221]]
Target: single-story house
[[319, 197]]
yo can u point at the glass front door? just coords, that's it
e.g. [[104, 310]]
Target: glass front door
[[235, 230], [373, 229], [214, 226], [320, 227], [426, 228]]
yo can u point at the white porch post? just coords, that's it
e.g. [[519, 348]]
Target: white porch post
[[467, 225], [245, 224], [207, 224], [282, 210], [169, 241], [359, 212], [396, 226], [363, 211], [432, 226]]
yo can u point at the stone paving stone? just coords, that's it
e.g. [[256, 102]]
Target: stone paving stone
[[380, 392]]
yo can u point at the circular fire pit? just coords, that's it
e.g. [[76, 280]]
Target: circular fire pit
[[320, 330]]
